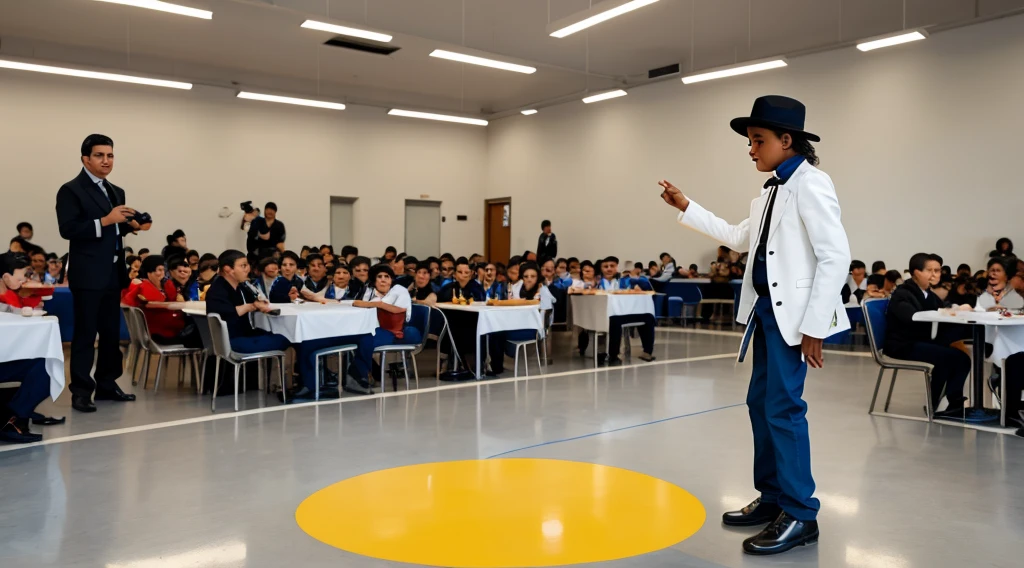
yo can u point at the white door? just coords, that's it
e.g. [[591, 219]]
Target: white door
[[342, 219], [422, 228]]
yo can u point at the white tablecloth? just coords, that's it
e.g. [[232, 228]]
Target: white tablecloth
[[34, 338], [1005, 334], [592, 312], [305, 322]]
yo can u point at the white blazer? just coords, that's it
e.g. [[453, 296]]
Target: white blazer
[[808, 254]]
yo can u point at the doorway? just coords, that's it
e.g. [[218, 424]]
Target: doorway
[[342, 222], [498, 229], [422, 228]]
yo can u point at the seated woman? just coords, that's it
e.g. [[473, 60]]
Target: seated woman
[[342, 287], [17, 271], [512, 275], [166, 327], [275, 287], [492, 288], [462, 324], [530, 288], [912, 341], [998, 294], [181, 285], [422, 290], [394, 311]]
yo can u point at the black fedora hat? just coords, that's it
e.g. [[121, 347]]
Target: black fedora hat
[[778, 113]]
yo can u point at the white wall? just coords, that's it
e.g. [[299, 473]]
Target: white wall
[[922, 142], [183, 155]]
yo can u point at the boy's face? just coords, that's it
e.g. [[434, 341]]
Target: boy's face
[[923, 278], [288, 267], [317, 270], [512, 272], [548, 270], [435, 270], [361, 272], [463, 274], [342, 278], [447, 269], [547, 230], [181, 274], [423, 278], [588, 273], [271, 270], [39, 263], [768, 150], [25, 233], [609, 269], [858, 273]]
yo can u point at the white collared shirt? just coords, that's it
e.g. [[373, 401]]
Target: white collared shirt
[[397, 296], [103, 188]]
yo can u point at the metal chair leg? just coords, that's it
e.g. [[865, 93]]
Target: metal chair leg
[[515, 372], [526, 361], [405, 367], [216, 384], [383, 368], [160, 364], [245, 377], [892, 385], [929, 409], [415, 371], [202, 371], [181, 371], [236, 385], [878, 383], [135, 364], [144, 376], [539, 368]]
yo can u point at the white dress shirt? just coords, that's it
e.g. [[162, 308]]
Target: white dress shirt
[[398, 296], [99, 225]]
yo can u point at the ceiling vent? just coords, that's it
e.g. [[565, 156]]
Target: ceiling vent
[[364, 46]]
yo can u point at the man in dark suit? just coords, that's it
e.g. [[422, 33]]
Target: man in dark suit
[[910, 340], [92, 215], [547, 244]]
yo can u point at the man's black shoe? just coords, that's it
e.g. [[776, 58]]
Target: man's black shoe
[[115, 394], [756, 513], [82, 403], [786, 533]]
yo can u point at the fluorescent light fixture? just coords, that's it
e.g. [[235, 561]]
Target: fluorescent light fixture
[[600, 13], [528, 112], [604, 96], [164, 7], [441, 117], [290, 101], [5, 64], [346, 31], [879, 43], [473, 60], [736, 70]]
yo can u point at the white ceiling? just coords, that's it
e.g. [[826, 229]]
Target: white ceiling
[[257, 44]]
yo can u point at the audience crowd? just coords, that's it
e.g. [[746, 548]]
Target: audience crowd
[[234, 284]]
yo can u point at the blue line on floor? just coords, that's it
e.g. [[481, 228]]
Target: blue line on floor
[[591, 435]]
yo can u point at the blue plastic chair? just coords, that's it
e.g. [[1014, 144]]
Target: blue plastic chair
[[874, 319]]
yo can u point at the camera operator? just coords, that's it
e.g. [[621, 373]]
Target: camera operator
[[266, 232]]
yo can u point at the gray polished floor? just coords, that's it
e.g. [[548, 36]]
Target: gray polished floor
[[162, 482]]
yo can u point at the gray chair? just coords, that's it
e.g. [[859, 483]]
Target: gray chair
[[203, 326], [421, 321], [135, 348], [874, 320], [222, 349], [341, 351], [163, 352]]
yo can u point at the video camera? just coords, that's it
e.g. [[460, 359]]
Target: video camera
[[141, 218]]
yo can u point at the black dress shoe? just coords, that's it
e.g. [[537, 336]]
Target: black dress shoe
[[16, 431], [756, 513], [82, 404], [786, 533], [115, 394]]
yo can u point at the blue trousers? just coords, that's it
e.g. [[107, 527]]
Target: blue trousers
[[259, 343], [305, 354], [35, 384], [361, 366], [782, 446]]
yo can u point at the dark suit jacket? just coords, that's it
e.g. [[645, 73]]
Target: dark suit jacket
[[79, 204], [902, 332], [547, 246]]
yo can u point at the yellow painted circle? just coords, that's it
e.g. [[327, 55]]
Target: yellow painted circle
[[503, 512]]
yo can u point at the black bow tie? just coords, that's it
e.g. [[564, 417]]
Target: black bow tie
[[773, 182]]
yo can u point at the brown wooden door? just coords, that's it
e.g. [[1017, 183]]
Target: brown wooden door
[[498, 232]]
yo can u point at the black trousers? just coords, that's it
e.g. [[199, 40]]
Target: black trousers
[[615, 332], [96, 311], [951, 369]]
